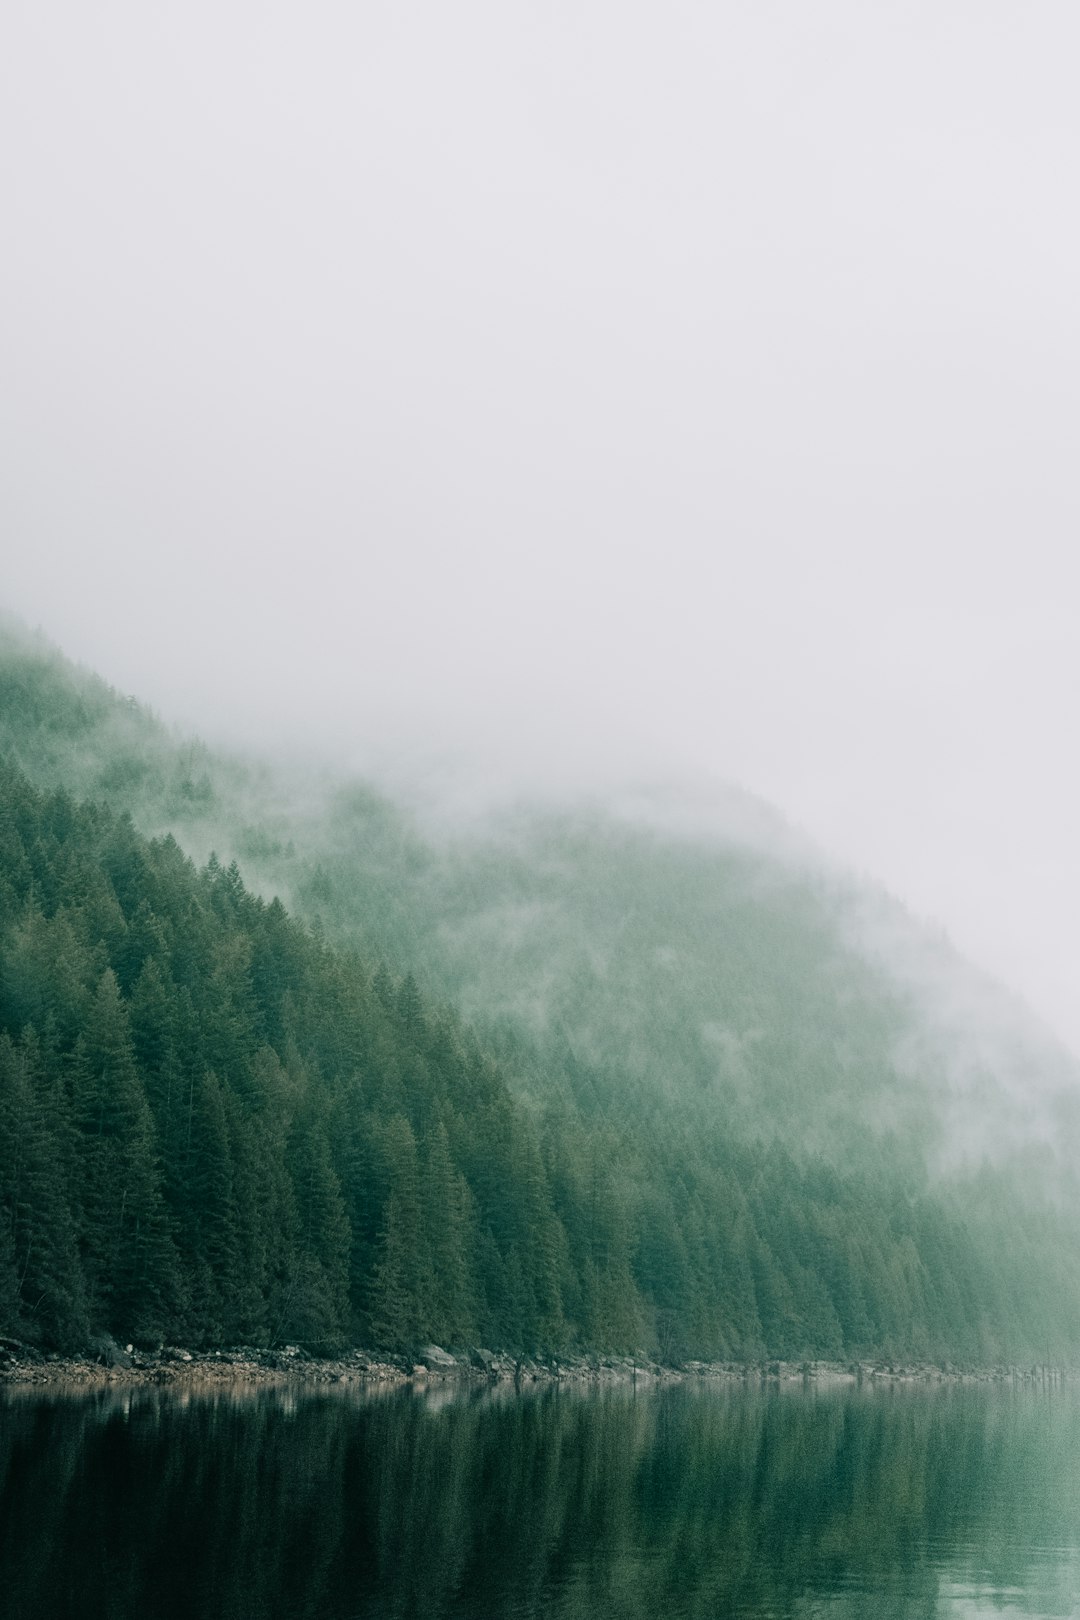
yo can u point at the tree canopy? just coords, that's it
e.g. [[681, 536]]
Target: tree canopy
[[215, 1127]]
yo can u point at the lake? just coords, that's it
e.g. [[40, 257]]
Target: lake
[[675, 1503]]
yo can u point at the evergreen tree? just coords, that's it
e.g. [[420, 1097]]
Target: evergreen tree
[[130, 1261], [50, 1301]]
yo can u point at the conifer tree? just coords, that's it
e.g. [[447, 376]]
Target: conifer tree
[[34, 1193], [129, 1256]]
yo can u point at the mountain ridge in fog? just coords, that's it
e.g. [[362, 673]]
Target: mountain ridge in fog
[[688, 948], [636, 1088]]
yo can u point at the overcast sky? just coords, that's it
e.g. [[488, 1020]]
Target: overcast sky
[[596, 388]]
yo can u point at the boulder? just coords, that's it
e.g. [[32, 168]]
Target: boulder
[[436, 1359], [106, 1351]]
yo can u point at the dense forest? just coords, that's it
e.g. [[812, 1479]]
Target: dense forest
[[221, 1122], [703, 961]]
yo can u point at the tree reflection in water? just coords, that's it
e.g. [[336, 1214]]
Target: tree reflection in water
[[682, 1502]]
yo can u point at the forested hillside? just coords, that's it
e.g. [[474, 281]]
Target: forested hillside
[[220, 1123], [718, 967], [215, 1127]]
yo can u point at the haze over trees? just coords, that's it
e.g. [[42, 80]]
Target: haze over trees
[[564, 1082]]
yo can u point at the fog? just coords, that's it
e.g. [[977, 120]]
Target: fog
[[596, 394]]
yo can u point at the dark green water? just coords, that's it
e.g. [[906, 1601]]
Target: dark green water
[[673, 1505]]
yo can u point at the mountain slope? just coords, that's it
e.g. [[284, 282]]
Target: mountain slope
[[709, 963], [702, 1118]]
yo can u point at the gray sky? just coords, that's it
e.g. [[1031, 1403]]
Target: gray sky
[[596, 388]]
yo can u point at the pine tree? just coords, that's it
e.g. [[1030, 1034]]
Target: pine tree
[[401, 1284], [324, 1237], [34, 1193], [447, 1217], [129, 1258]]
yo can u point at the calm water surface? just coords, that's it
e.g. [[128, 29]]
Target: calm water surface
[[683, 1503]]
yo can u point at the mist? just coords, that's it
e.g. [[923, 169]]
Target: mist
[[574, 399]]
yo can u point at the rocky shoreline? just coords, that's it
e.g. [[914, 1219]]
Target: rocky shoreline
[[108, 1363]]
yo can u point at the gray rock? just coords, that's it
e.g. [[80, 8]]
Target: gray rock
[[436, 1358], [106, 1351]]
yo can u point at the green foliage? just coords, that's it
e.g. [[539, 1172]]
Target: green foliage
[[679, 1129], [215, 1127]]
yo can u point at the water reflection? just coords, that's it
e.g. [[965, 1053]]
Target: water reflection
[[685, 1503]]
